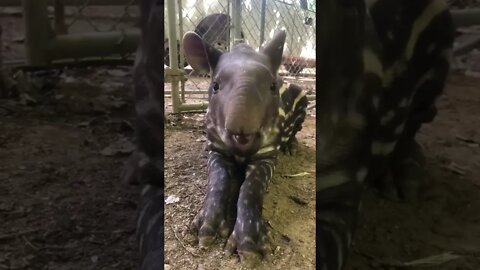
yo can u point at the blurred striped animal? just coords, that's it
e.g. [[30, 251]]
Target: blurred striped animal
[[382, 65]]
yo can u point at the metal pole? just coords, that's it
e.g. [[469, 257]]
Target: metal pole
[[173, 53], [180, 53], [194, 106], [466, 17], [262, 22], [37, 31], [93, 44], [59, 9], [235, 30]]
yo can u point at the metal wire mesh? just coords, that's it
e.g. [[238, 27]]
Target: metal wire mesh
[[298, 19], [211, 20], [194, 16], [87, 17]]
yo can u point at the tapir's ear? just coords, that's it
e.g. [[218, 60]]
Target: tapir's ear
[[201, 56], [274, 49]]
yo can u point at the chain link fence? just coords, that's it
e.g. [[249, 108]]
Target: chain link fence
[[215, 22], [63, 32]]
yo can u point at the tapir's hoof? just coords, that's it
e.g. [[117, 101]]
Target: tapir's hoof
[[252, 242], [388, 188], [207, 225], [406, 176], [291, 148]]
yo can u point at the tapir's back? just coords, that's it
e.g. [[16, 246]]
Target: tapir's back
[[412, 30]]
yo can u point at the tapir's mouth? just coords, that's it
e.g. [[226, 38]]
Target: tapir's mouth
[[243, 141]]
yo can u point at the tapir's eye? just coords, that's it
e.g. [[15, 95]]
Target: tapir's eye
[[215, 87], [273, 87]]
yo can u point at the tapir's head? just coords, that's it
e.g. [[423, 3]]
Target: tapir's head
[[243, 93]]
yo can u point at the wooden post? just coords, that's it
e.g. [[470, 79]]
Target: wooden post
[[172, 43], [60, 27], [37, 31]]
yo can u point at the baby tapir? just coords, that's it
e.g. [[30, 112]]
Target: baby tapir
[[251, 115], [382, 65]]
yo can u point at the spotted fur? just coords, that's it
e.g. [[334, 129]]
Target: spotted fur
[[377, 87]]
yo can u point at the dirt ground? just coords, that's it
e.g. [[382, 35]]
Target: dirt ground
[[62, 205]]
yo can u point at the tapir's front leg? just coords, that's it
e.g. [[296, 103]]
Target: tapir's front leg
[[249, 236], [217, 213]]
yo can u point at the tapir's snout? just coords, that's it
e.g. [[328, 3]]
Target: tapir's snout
[[243, 122]]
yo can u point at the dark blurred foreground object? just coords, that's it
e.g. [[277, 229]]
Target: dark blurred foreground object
[[146, 164], [380, 77]]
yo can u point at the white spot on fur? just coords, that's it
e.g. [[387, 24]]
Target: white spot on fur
[[391, 73], [404, 103], [356, 120], [387, 118], [266, 150], [361, 174], [372, 63], [281, 112], [390, 35], [398, 130], [146, 189], [376, 102], [333, 179], [371, 3], [381, 148], [424, 78]]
